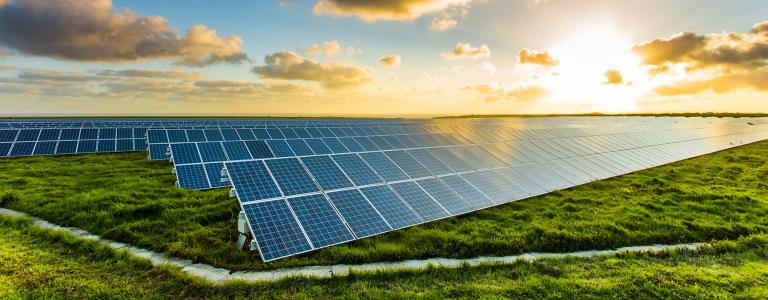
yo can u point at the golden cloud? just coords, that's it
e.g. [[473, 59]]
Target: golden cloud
[[390, 61], [720, 84], [496, 92], [613, 77], [329, 48], [90, 30], [527, 56], [287, 65], [381, 10], [465, 50]]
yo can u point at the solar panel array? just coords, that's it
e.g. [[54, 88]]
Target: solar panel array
[[306, 184]]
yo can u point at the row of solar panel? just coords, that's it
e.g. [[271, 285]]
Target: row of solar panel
[[298, 147], [240, 134], [70, 147], [297, 205], [461, 158], [70, 134]]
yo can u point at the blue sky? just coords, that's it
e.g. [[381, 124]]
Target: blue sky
[[426, 81]]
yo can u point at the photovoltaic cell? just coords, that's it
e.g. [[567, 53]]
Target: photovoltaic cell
[[259, 149], [356, 169], [444, 196], [211, 152], [318, 218], [390, 206], [192, 177], [420, 201], [213, 170], [291, 176], [185, 153], [252, 181], [236, 150], [326, 173], [359, 214], [384, 166], [275, 229]]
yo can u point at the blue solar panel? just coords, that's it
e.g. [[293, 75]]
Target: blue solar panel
[[483, 182], [359, 214], [86, 146], [246, 134], [125, 145], [45, 148], [280, 148], [381, 143], [326, 173], [275, 133], [89, 134], [196, 135], [291, 176], [411, 167], [158, 151], [8, 135], [321, 223], [49, 135], [432, 163], [22, 149], [302, 133], [289, 133], [450, 159], [70, 134], [390, 206], [124, 133], [335, 145], [28, 135], [351, 144], [356, 169], [275, 229], [156, 136], [252, 181], [5, 148], [300, 147], [444, 195], [185, 153], [107, 133], [139, 144], [467, 191], [192, 177], [66, 147], [106, 146], [214, 175], [236, 150], [420, 201], [384, 166], [366, 143], [259, 149], [213, 135], [318, 146], [261, 134], [177, 136], [325, 132], [211, 152], [230, 135]]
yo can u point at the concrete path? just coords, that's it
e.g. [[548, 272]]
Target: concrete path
[[220, 276]]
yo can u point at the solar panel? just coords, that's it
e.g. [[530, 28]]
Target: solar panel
[[275, 229], [358, 213], [307, 184], [320, 221]]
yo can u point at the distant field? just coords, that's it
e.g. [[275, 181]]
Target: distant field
[[711, 115], [38, 264], [130, 199]]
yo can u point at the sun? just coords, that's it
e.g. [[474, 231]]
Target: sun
[[585, 54]]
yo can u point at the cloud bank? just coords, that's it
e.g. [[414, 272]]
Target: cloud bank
[[287, 65], [92, 30]]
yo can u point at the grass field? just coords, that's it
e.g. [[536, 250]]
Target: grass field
[[127, 198], [36, 263]]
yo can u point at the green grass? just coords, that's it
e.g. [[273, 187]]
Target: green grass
[[130, 199], [37, 263]]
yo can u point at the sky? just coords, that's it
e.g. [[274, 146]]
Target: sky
[[381, 57]]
